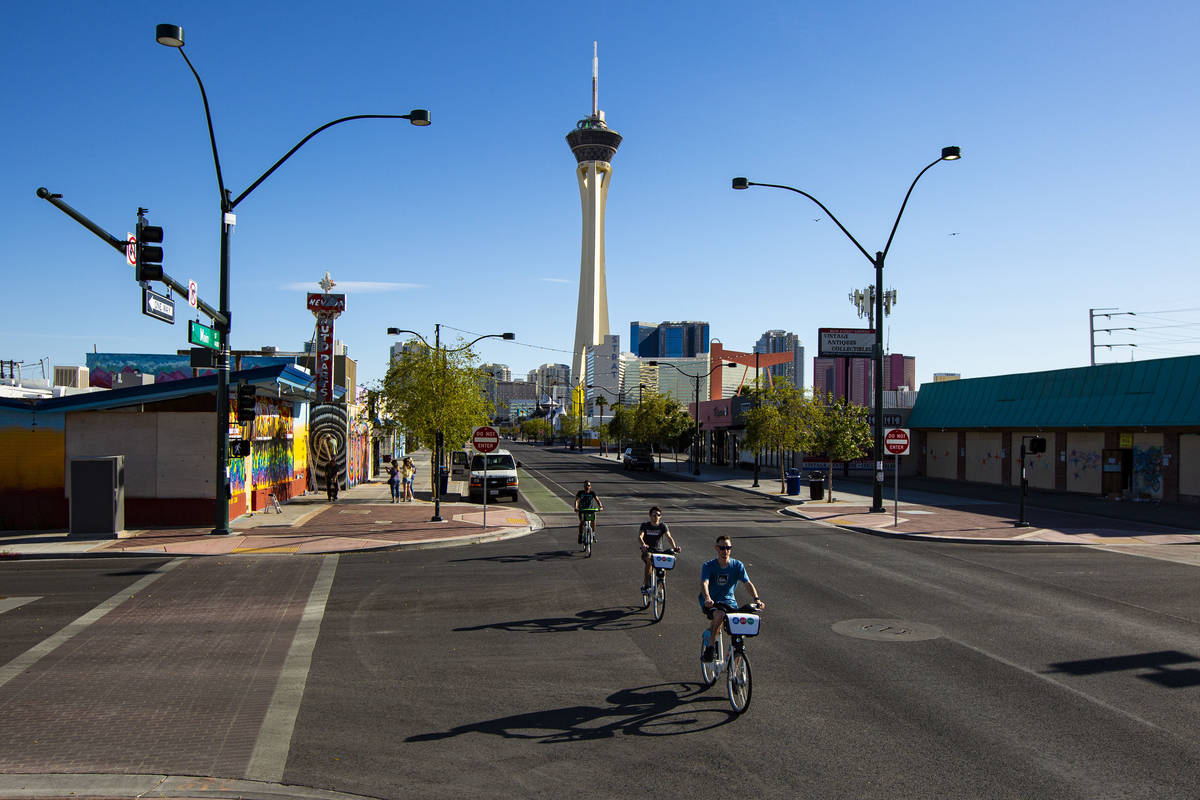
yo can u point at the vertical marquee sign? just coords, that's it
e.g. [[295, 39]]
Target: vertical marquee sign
[[326, 307]]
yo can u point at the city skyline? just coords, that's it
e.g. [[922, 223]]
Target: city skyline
[[1052, 211]]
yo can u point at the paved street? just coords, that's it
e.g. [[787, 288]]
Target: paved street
[[887, 667]]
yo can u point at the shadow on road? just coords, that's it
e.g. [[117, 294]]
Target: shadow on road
[[665, 709], [1158, 663], [522, 558], [601, 619]]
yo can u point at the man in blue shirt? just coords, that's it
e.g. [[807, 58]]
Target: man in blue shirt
[[718, 579]]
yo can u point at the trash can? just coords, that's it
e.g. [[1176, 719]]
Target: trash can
[[816, 485], [443, 482], [793, 481]]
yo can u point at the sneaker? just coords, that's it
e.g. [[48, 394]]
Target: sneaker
[[708, 653], [645, 590]]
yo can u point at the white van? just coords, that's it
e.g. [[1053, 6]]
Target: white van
[[501, 476]]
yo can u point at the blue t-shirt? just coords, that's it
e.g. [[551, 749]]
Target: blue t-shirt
[[722, 580]]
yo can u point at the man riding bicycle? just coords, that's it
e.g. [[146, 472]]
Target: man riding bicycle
[[587, 500], [718, 579], [652, 535]]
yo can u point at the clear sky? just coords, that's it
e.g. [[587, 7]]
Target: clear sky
[[1077, 189]]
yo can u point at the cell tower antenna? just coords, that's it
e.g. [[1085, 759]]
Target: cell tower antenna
[[595, 81]]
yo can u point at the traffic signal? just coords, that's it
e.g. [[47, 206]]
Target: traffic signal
[[148, 255], [245, 403], [1037, 444], [239, 448]]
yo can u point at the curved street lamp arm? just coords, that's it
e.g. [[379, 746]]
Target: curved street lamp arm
[[896, 224], [827, 211], [398, 331], [478, 338], [299, 144], [225, 205]]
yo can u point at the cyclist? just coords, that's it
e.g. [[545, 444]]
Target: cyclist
[[651, 535], [586, 499], [718, 578]]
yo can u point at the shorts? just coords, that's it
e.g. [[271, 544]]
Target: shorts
[[708, 612]]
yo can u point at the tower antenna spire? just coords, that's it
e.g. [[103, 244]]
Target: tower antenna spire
[[595, 81]]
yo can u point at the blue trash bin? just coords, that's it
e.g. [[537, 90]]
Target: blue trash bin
[[793, 481]]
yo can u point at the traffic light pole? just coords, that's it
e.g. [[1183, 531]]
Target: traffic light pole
[[119, 245]]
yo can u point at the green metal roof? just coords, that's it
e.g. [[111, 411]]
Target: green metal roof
[[1158, 393]]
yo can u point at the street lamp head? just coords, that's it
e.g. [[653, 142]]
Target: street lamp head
[[741, 183], [652, 363], [393, 331], [171, 36], [951, 153], [508, 336], [418, 117]]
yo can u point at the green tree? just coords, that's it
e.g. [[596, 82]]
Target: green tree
[[782, 418], [429, 392], [840, 431]]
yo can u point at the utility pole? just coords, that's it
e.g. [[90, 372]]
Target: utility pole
[[1092, 330]]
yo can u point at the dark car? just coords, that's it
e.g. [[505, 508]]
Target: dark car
[[637, 458]]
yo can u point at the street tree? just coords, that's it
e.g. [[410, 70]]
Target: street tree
[[428, 392], [782, 418], [840, 431]]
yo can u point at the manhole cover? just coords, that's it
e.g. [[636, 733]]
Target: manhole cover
[[886, 630]]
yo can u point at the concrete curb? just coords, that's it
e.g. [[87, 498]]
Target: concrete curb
[[157, 786]]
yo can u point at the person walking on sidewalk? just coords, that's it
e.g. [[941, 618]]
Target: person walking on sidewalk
[[331, 480], [409, 472], [394, 480]]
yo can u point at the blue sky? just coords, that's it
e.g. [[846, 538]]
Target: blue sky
[[1077, 186]]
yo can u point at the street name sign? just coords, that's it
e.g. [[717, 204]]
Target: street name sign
[[159, 306], [845, 342], [485, 439], [896, 441], [203, 335]]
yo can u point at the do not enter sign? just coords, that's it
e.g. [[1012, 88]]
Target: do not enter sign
[[896, 441], [485, 439]]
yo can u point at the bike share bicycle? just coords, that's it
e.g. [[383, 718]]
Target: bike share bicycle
[[656, 592], [729, 654], [589, 533]]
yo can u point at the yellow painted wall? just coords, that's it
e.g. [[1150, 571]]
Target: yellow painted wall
[[941, 455], [983, 457]]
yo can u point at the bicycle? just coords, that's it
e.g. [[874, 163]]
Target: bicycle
[[729, 656], [656, 592], [589, 535]]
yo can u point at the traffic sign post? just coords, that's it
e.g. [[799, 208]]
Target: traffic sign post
[[159, 306], [203, 335], [897, 442], [485, 439]]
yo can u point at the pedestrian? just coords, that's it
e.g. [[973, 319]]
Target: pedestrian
[[331, 480], [409, 472], [394, 480]]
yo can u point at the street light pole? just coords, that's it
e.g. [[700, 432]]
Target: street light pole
[[948, 154], [696, 415], [172, 36], [438, 438]]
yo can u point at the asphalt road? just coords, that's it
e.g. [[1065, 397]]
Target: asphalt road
[[886, 668]]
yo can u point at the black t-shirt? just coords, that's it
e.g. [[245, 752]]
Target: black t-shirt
[[587, 499], [654, 536]]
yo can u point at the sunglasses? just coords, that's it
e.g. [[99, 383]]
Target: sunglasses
[[724, 547]]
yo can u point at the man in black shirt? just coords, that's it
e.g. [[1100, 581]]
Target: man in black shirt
[[655, 537], [586, 499]]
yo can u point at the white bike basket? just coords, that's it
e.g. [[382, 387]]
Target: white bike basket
[[663, 561], [743, 624]]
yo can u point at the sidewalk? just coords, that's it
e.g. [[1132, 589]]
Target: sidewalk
[[969, 514], [363, 518]]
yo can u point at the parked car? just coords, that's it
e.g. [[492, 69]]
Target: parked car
[[637, 458]]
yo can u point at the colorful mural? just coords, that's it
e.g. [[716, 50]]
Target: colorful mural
[[1081, 463], [1147, 472], [103, 367]]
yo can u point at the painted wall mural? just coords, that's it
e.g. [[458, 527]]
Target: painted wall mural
[[1147, 473], [327, 441], [104, 367]]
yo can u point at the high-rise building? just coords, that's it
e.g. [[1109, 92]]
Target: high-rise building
[[830, 377], [668, 339], [604, 368], [500, 372], [777, 341], [594, 145], [551, 381], [938, 377], [680, 383]]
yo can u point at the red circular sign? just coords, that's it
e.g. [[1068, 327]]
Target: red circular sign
[[485, 439], [896, 441]]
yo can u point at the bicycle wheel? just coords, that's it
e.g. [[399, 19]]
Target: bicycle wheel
[[660, 598], [739, 681], [646, 594], [587, 539], [709, 670]]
